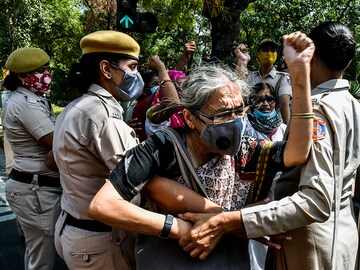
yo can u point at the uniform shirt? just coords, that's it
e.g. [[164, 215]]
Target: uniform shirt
[[314, 205], [27, 118], [272, 78], [156, 156], [89, 140]]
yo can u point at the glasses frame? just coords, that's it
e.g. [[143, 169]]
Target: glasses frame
[[255, 100], [221, 114]]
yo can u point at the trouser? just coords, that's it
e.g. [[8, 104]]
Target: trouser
[[86, 249], [37, 209]]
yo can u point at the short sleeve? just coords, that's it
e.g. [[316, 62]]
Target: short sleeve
[[37, 119], [152, 157]]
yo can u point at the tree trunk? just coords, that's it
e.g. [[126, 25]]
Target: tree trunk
[[225, 35], [225, 26]]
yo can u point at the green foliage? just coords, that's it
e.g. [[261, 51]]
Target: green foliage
[[58, 25], [270, 18]]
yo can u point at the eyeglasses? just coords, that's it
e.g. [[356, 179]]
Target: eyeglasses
[[223, 116], [257, 100]]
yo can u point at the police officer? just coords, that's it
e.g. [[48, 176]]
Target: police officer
[[280, 81], [89, 140], [33, 191]]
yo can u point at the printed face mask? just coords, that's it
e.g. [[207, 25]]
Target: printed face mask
[[267, 58], [40, 83], [224, 138], [131, 86]]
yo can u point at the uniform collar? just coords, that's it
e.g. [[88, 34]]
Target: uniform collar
[[99, 91], [28, 93], [334, 85], [103, 94], [272, 73]]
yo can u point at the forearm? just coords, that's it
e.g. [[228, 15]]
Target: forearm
[[108, 207], [176, 198], [300, 133]]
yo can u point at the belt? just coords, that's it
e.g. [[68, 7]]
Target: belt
[[87, 224], [27, 178]]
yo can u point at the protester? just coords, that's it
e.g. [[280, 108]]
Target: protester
[[89, 140], [143, 103], [162, 114], [314, 204], [263, 122], [225, 162], [186, 59], [280, 81], [32, 191], [264, 119]]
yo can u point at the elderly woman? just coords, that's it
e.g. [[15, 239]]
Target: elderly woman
[[33, 191], [232, 169], [314, 203]]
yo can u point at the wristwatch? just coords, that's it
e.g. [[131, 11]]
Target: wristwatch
[[167, 226]]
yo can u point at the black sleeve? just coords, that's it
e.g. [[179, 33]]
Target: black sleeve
[[154, 156]]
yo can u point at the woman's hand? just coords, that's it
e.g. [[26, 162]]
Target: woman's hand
[[242, 54], [298, 49], [205, 234], [135, 124], [155, 64]]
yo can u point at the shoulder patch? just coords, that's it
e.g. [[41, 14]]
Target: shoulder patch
[[318, 129]]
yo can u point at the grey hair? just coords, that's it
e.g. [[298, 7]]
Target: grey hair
[[204, 80]]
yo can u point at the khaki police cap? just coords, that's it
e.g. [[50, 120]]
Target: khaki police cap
[[26, 59], [111, 42]]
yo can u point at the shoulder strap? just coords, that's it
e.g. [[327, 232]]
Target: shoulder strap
[[186, 166], [277, 87]]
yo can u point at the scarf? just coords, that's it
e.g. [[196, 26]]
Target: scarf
[[265, 125]]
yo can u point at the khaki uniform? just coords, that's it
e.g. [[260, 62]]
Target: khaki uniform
[[315, 205], [272, 78], [36, 203], [90, 138]]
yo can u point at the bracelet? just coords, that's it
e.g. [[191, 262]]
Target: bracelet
[[167, 226], [302, 115], [165, 81]]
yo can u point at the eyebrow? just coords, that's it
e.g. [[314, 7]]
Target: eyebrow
[[224, 109]]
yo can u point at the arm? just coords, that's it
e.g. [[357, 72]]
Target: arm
[[175, 198], [185, 58], [110, 208], [242, 59], [298, 52], [167, 92]]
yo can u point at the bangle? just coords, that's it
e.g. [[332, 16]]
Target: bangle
[[165, 81], [302, 115], [167, 227]]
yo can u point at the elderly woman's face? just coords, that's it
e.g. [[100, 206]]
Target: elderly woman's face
[[265, 102], [225, 104]]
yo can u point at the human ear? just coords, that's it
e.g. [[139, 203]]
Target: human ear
[[104, 68], [189, 118]]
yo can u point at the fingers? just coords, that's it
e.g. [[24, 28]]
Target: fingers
[[268, 243], [297, 40]]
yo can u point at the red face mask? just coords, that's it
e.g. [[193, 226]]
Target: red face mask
[[40, 83]]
